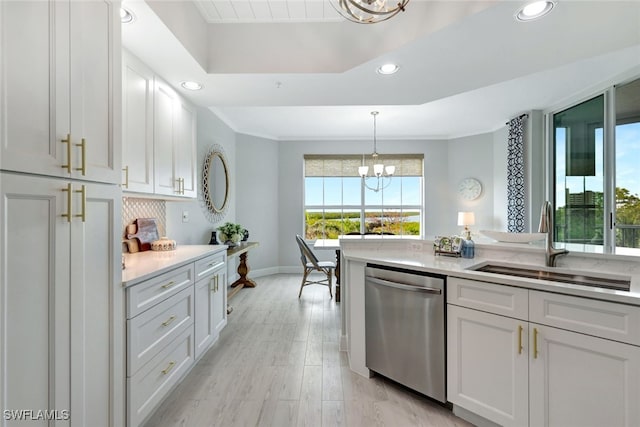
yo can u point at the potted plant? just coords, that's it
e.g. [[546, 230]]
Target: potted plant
[[231, 233]]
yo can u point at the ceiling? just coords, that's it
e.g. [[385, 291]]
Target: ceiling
[[289, 70]]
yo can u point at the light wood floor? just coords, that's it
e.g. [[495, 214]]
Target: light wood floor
[[277, 363]]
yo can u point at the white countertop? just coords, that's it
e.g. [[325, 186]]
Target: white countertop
[[425, 260], [143, 265]]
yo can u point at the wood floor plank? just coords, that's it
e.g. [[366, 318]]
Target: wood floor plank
[[277, 363]]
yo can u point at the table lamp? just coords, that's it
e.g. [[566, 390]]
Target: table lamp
[[466, 219]]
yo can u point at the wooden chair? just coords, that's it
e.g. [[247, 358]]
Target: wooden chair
[[310, 264]]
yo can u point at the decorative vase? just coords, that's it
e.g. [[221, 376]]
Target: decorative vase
[[214, 240], [245, 236]]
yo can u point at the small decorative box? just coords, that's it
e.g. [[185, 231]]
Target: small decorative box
[[448, 245]]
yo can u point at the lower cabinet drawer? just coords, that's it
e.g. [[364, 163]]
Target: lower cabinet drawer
[[149, 332], [144, 295], [150, 385], [604, 319], [493, 298]]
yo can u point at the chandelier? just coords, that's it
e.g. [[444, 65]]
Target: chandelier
[[368, 11], [380, 171]]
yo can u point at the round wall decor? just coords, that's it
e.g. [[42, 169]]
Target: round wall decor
[[469, 189]]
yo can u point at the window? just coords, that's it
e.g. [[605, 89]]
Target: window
[[596, 186], [336, 201]]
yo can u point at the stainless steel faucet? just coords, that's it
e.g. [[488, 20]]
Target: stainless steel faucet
[[546, 226]]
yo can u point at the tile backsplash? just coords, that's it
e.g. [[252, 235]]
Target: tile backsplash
[[133, 208]]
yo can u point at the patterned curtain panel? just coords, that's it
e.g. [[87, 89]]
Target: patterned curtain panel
[[515, 176]]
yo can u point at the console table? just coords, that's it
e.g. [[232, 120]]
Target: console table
[[241, 250]]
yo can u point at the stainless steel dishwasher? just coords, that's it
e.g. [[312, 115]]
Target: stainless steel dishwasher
[[405, 328]]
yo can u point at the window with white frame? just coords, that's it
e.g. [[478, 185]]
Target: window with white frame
[[337, 202], [596, 186]]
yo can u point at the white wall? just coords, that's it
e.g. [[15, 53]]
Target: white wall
[[500, 145], [211, 130], [258, 199], [291, 186], [470, 157]]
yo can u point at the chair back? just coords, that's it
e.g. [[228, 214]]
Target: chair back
[[306, 255]]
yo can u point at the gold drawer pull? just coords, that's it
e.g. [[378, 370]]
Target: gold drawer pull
[[83, 154], [519, 339], [169, 320], [68, 215], [83, 193], [168, 285], [68, 142], [535, 343], [168, 369]]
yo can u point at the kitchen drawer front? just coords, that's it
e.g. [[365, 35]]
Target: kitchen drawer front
[[490, 297], [148, 387], [602, 319], [144, 295], [151, 331], [210, 264]]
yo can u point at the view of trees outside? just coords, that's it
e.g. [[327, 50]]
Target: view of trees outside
[[337, 206], [330, 225]]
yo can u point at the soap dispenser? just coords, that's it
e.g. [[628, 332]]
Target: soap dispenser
[[468, 247]]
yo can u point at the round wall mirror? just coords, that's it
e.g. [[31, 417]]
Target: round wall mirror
[[215, 186]]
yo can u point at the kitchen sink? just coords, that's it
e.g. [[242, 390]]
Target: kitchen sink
[[619, 283]]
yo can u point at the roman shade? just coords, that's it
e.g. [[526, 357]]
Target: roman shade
[[346, 165]]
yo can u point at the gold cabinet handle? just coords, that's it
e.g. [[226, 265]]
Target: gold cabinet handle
[[83, 154], [67, 141], [69, 197], [169, 320], [126, 176], [535, 343], [168, 369], [83, 214], [519, 339], [168, 285], [212, 281]]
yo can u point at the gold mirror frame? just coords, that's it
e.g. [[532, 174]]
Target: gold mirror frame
[[215, 212]]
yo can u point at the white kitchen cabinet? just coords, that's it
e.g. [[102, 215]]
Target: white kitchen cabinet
[[580, 380], [211, 301], [62, 325], [487, 369], [60, 93], [174, 143], [517, 372], [137, 125]]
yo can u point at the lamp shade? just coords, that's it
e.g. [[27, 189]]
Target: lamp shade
[[466, 218]]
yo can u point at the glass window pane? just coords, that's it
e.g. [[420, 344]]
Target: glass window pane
[[627, 196], [579, 168], [351, 191], [373, 221], [351, 221], [372, 198], [313, 224], [392, 194], [332, 191], [332, 223], [313, 191], [412, 190]]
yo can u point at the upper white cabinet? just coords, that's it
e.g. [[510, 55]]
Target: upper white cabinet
[[174, 143], [59, 85], [159, 135], [137, 124]]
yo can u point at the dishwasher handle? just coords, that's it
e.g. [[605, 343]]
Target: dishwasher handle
[[403, 286]]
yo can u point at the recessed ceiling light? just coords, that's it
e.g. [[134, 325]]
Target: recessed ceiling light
[[388, 69], [126, 16], [534, 10], [191, 85]]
